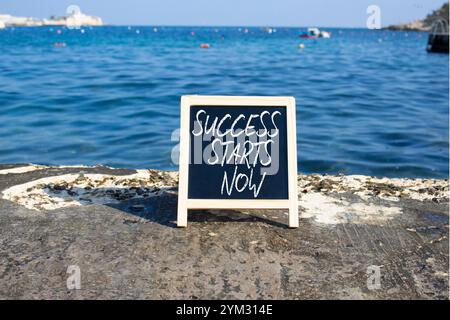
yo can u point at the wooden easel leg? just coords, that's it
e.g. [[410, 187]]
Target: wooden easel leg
[[182, 217], [293, 215]]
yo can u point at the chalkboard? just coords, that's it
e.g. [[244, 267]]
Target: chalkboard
[[249, 162], [237, 153]]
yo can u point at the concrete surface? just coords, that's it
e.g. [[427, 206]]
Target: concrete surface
[[118, 226]]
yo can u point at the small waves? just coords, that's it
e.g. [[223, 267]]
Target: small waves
[[368, 102]]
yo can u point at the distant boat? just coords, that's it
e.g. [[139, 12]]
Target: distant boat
[[314, 33], [269, 30], [2, 25]]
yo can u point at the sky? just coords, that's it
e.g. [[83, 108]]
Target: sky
[[325, 13]]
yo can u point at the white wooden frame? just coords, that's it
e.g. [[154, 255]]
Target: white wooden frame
[[184, 204]]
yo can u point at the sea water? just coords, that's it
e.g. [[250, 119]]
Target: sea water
[[368, 101]]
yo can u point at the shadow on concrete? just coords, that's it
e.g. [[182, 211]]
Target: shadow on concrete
[[161, 209]]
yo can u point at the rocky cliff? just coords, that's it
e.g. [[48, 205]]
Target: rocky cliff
[[425, 24]]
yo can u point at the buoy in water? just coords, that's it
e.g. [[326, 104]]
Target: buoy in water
[[59, 44], [205, 46], [301, 46]]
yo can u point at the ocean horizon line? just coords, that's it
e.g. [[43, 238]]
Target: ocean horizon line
[[204, 26]]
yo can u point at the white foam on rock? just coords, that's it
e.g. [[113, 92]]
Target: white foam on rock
[[83, 189], [34, 167], [392, 189], [23, 169], [322, 198], [327, 210]]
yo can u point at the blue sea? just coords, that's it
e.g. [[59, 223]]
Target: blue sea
[[368, 102]]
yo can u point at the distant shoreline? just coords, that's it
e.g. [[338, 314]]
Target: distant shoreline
[[389, 28], [424, 25]]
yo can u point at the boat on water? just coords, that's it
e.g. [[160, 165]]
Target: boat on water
[[438, 40], [269, 30], [314, 33], [2, 25]]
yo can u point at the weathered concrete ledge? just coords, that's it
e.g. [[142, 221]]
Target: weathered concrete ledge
[[118, 226]]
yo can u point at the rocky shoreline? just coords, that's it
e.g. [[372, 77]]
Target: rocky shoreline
[[118, 226], [424, 25]]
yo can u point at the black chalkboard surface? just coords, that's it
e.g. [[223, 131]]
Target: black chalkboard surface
[[238, 152]]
